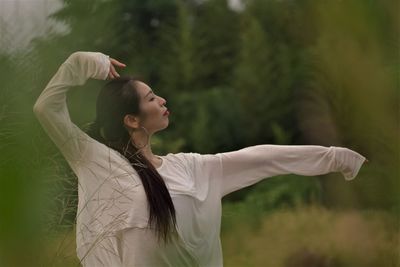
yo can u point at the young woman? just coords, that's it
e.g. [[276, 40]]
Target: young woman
[[140, 209]]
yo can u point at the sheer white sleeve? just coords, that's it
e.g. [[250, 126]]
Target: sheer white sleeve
[[51, 108], [247, 166]]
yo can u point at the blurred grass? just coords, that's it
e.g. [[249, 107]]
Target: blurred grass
[[314, 236], [309, 236]]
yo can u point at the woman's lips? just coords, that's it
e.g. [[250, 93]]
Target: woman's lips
[[166, 113]]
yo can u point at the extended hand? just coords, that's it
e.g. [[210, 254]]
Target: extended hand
[[113, 73]]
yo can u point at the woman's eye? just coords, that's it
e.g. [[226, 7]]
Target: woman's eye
[[151, 99]]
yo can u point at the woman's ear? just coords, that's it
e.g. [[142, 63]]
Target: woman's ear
[[131, 121]]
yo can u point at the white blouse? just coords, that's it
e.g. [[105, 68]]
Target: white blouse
[[112, 198]]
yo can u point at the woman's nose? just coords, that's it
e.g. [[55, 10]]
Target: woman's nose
[[163, 101]]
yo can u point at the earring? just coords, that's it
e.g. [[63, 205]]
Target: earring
[[133, 142]]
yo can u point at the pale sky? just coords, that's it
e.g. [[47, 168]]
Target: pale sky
[[22, 20]]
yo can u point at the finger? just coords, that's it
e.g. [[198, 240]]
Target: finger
[[117, 63], [111, 76], [113, 71]]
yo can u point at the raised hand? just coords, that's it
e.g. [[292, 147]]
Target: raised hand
[[113, 73]]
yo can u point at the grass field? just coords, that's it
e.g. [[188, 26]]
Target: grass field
[[315, 237], [302, 237]]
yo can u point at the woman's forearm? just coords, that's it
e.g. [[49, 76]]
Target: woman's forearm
[[249, 165], [51, 107]]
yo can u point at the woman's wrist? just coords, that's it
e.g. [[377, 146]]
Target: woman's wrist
[[94, 65]]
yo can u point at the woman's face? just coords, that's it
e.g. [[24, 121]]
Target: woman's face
[[154, 115]]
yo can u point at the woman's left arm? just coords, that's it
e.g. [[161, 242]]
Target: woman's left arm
[[247, 166]]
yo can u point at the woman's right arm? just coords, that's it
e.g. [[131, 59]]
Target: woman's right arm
[[232, 171], [51, 107], [248, 166]]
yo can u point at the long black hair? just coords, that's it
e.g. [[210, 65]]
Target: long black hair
[[116, 99]]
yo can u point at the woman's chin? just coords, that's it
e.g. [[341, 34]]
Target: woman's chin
[[164, 126]]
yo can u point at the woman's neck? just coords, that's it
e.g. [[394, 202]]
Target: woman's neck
[[143, 141]]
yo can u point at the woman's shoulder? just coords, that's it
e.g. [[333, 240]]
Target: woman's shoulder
[[182, 156], [193, 161], [184, 160], [191, 157], [103, 157]]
